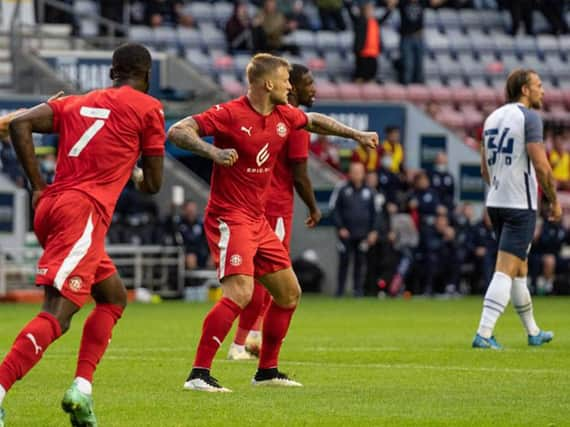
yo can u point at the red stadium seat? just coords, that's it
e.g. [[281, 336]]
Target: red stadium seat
[[463, 94], [394, 92], [486, 95], [326, 89], [373, 92], [349, 91], [441, 94], [418, 94]]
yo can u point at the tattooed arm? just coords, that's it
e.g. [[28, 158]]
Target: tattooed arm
[[185, 134], [324, 125]]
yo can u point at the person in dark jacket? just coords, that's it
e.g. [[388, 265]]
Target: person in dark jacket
[[442, 181], [367, 46], [485, 252], [354, 215], [239, 31]]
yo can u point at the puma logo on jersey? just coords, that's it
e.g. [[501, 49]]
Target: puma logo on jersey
[[263, 155], [37, 348], [218, 108], [247, 130]]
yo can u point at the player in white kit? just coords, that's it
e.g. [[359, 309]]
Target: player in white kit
[[513, 157]]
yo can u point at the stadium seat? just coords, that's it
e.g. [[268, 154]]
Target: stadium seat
[[435, 41], [547, 43], [486, 96], [188, 37], [395, 92], [240, 62], [212, 37], [201, 12], [481, 42], [463, 95], [326, 89], [431, 19], [469, 18], [345, 40], [222, 12], [525, 44], [557, 67], [327, 40], [492, 20], [504, 44], [441, 94], [448, 18], [373, 92], [141, 34], [448, 67], [349, 91], [303, 38], [470, 67], [223, 62], [231, 85], [554, 98], [200, 60], [336, 64], [418, 94], [87, 7], [458, 41], [164, 36]]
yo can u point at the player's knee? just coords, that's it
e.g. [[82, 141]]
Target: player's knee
[[291, 296], [238, 290]]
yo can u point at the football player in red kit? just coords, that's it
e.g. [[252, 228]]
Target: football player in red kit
[[290, 173], [101, 136], [249, 133]]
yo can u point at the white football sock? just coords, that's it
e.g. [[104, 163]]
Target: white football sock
[[522, 303], [83, 385], [496, 300], [254, 334], [2, 394]]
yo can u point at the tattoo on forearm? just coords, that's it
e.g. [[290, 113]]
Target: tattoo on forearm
[[549, 187], [186, 137], [324, 125]]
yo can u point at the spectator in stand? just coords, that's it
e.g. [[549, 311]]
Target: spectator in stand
[[369, 157], [390, 183], [367, 46], [297, 18], [330, 12], [544, 258], [113, 10], [485, 253], [553, 10], [239, 31], [167, 12], [438, 253], [559, 158], [465, 236], [10, 164], [412, 49], [392, 149], [191, 230], [424, 203], [326, 152], [442, 181], [354, 215], [274, 26], [521, 9]]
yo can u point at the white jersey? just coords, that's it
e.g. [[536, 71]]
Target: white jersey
[[513, 180]]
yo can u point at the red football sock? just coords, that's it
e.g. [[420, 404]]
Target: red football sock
[[266, 302], [217, 324], [250, 314], [28, 348], [275, 326], [97, 333]]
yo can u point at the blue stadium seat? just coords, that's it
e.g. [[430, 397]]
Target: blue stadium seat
[[141, 34], [390, 39], [430, 19], [470, 67], [482, 43], [199, 59], [222, 12], [327, 40], [448, 67], [346, 40], [436, 41], [525, 44], [212, 37], [165, 36], [201, 12], [458, 41], [241, 61], [547, 43], [448, 18], [469, 18], [303, 38], [188, 37], [504, 43]]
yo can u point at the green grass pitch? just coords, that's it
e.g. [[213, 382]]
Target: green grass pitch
[[363, 362]]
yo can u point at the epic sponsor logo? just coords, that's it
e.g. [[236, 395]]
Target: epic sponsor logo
[[41, 271], [263, 155]]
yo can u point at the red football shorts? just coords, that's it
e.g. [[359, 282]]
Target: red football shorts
[[244, 246], [282, 226], [72, 233]]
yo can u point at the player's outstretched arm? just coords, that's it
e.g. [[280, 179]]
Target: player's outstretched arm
[[325, 125], [185, 134], [148, 179], [304, 188], [38, 119]]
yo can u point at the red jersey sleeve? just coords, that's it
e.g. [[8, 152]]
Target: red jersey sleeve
[[297, 118], [298, 145], [153, 133], [213, 120], [57, 106]]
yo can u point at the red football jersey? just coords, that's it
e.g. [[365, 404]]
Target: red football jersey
[[242, 188], [281, 195], [101, 136]]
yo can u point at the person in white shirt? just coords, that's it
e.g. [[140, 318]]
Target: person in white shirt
[[513, 157]]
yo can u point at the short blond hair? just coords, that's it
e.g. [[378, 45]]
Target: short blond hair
[[262, 64]]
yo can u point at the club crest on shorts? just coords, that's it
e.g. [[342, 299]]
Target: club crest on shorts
[[75, 283], [236, 260], [281, 129]]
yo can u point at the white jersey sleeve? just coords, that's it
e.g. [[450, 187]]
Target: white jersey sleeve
[[513, 178]]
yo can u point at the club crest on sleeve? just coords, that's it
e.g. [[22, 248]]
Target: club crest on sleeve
[[281, 129], [75, 283], [236, 260]]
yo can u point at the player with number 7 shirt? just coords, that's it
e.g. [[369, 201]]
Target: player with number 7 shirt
[[249, 133], [102, 134]]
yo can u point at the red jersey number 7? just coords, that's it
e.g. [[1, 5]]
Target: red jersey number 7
[[101, 114]]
